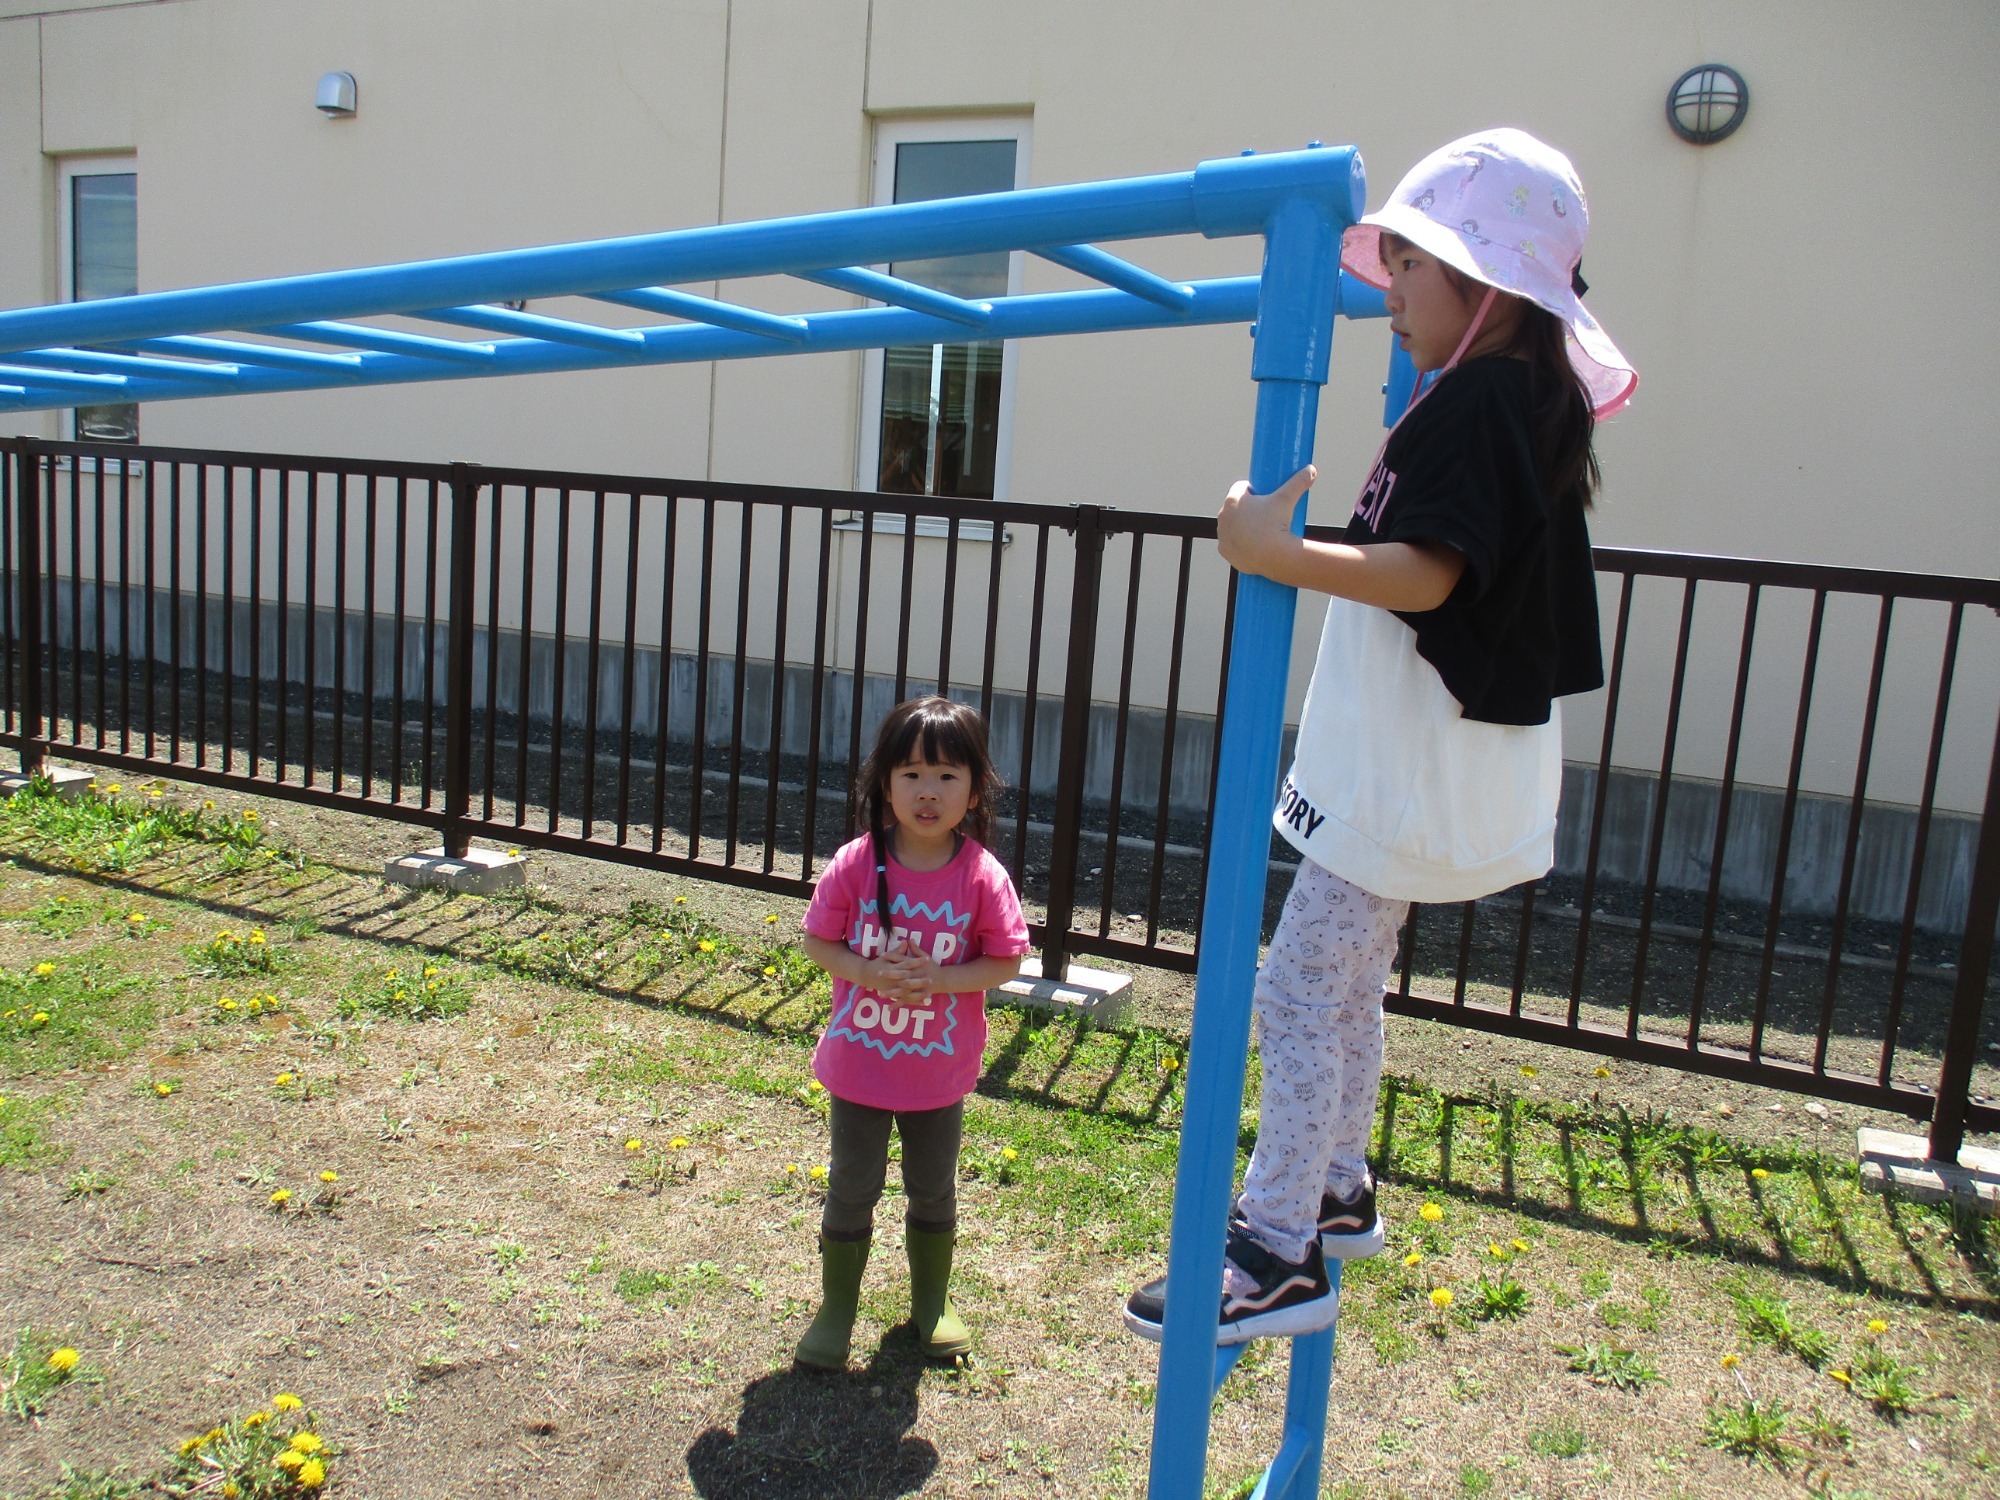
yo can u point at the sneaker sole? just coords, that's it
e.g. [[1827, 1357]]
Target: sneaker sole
[[1284, 1322], [1355, 1246]]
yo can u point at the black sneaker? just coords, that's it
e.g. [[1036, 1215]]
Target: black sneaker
[[1262, 1297], [1350, 1228]]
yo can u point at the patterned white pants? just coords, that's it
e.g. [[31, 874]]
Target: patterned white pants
[[1319, 1033]]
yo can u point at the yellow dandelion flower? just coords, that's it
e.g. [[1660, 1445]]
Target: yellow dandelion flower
[[706, 946], [818, 1173], [1529, 1070], [115, 788], [189, 1446], [513, 853], [399, 995], [289, 1461], [1008, 1153], [815, 1087], [280, 1198], [137, 916], [208, 806], [44, 970], [152, 791], [256, 1419], [1441, 1298], [163, 1089], [250, 815], [281, 1080], [307, 1442], [329, 1177], [1430, 1213], [213, 1435], [257, 936], [40, 1018], [231, 1490], [1523, 1246], [1730, 1361], [1493, 1249], [253, 1005], [1759, 1173], [1842, 1376], [9, 1013], [635, 1144], [771, 919], [1877, 1325], [680, 901], [1413, 1259], [770, 972], [1169, 1064], [430, 972], [63, 1361], [311, 1474], [1603, 1072], [678, 1143], [225, 1003], [791, 1169], [286, 1401]]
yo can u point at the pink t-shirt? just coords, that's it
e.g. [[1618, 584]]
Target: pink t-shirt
[[909, 1057]]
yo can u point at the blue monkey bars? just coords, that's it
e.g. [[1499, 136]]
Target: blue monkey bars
[[163, 346]]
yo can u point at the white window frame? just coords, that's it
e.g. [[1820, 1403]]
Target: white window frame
[[889, 134], [68, 169]]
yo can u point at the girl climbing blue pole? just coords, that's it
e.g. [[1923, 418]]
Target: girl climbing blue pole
[[1463, 608]]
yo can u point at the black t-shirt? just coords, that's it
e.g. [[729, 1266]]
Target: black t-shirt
[[1520, 628]]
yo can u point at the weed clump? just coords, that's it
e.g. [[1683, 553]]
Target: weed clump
[[433, 991]]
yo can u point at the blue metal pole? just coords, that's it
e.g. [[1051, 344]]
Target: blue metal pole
[[1300, 289]]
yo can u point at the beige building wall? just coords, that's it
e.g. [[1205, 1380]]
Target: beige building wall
[[1808, 301]]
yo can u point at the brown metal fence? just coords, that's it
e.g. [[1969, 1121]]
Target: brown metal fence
[[682, 676]]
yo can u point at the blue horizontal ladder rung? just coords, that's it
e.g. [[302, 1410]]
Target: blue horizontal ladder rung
[[108, 386], [90, 361], [528, 325], [348, 366], [900, 293], [1101, 265], [385, 341], [707, 310]]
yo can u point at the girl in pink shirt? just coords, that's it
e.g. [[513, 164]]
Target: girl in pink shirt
[[915, 921]]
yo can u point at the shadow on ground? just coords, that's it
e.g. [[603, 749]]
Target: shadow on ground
[[821, 1435]]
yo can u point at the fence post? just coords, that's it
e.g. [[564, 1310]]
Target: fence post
[[458, 662], [1975, 962], [28, 600], [1070, 768]]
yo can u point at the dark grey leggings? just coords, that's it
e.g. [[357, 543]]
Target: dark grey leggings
[[861, 1164]]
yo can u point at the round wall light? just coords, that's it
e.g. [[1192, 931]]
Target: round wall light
[[336, 96], [1707, 103]]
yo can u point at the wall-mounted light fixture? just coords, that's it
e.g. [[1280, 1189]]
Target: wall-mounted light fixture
[[1707, 103], [336, 96]]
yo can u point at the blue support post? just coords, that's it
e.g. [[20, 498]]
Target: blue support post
[[1298, 294]]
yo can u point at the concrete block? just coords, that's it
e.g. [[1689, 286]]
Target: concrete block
[[1895, 1163], [69, 784], [1097, 995], [480, 872]]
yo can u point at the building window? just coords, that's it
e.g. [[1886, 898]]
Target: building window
[[100, 201], [939, 415]]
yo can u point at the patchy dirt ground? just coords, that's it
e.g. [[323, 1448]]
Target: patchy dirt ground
[[568, 1244]]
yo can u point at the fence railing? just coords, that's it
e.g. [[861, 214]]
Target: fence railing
[[1782, 867]]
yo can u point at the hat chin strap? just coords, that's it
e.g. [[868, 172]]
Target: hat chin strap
[[1471, 329], [1423, 389]]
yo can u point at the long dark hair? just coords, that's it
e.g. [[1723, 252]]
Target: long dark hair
[[945, 732], [1559, 415]]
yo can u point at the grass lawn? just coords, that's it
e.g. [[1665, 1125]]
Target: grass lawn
[[519, 1197]]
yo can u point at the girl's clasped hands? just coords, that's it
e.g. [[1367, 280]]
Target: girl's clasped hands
[[904, 975]]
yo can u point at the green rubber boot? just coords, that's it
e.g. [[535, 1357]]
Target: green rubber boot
[[941, 1333], [826, 1343]]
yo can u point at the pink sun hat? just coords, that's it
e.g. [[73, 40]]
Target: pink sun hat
[[1508, 211]]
